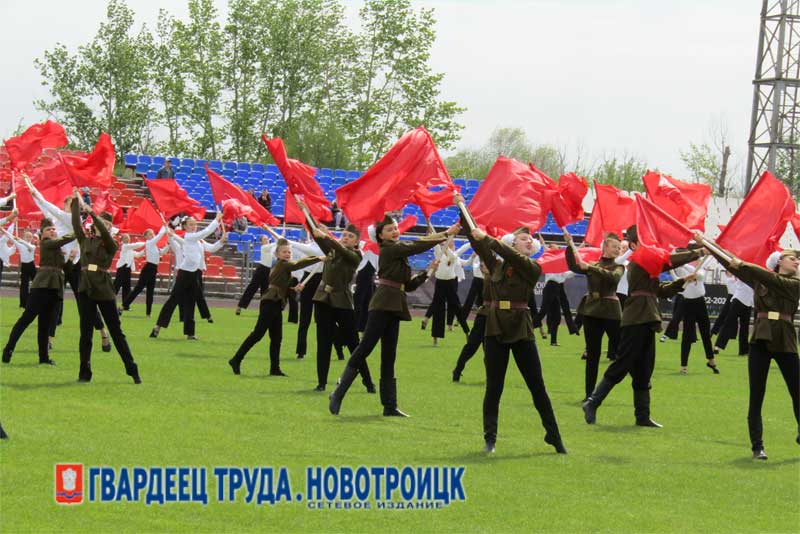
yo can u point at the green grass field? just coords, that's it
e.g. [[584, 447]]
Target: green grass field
[[694, 475]]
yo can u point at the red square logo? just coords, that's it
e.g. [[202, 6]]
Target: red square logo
[[69, 483]]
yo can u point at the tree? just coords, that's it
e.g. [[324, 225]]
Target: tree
[[105, 86], [702, 163], [623, 172], [168, 82]]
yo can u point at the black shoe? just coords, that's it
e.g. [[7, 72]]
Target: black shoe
[[192, 338], [238, 311], [84, 379], [6, 356], [339, 356], [394, 412], [319, 388], [235, 366], [759, 455], [210, 320], [106, 347], [584, 355], [456, 376], [153, 333], [716, 350], [589, 411], [3, 434], [301, 356], [277, 373], [556, 442], [119, 312], [47, 362], [370, 388], [424, 324], [136, 379], [648, 423], [554, 345], [713, 368], [488, 448]]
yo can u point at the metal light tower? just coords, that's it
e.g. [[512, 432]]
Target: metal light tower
[[774, 142]]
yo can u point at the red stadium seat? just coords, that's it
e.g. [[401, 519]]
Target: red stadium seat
[[229, 271]]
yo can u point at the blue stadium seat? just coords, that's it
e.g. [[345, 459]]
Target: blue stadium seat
[[181, 176], [272, 168], [151, 174], [175, 162], [142, 168], [130, 160], [229, 165], [353, 175], [215, 165], [243, 166], [340, 173], [227, 173], [143, 158], [159, 160], [258, 175], [257, 167]]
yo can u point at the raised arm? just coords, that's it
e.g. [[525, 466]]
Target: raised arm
[[572, 262], [156, 238], [304, 262], [76, 222], [46, 244], [622, 259], [681, 258], [527, 267], [352, 256], [105, 235], [204, 233]]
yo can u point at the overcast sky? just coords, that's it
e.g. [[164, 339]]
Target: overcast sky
[[642, 77]]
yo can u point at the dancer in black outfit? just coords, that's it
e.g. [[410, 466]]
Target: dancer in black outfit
[[149, 273]]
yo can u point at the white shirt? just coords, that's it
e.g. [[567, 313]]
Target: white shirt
[[730, 283], [301, 250], [447, 262], [475, 261], [63, 223], [193, 250], [622, 286], [367, 257], [208, 247], [692, 290], [267, 254], [743, 293], [177, 249], [127, 254], [152, 252], [6, 250], [26, 250]]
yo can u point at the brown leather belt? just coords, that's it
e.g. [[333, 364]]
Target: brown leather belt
[[391, 283], [507, 304], [642, 294], [596, 296], [775, 316]]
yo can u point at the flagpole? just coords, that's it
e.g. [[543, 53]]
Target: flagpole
[[467, 215], [309, 219], [711, 245]]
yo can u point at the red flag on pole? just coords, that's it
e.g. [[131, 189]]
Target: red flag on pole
[[567, 198], [413, 162], [512, 195], [50, 180], [658, 228], [300, 180], [755, 230], [651, 259], [685, 202], [141, 218], [432, 201], [222, 189], [291, 213], [796, 224], [172, 199], [613, 211], [554, 261], [94, 169], [103, 202], [25, 148]]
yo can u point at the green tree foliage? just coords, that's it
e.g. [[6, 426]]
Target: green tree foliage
[[702, 163], [623, 172]]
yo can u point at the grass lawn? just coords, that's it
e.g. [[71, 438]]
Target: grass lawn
[[694, 475]]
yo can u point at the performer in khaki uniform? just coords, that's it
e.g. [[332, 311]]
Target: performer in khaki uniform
[[386, 309], [600, 306], [776, 295], [96, 290], [47, 290]]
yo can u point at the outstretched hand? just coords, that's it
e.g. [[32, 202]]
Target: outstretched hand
[[453, 230], [478, 234]]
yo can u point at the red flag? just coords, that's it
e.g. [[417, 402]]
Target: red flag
[[413, 162], [50, 180], [651, 259], [103, 202], [567, 198], [656, 227], [25, 148], [687, 203], [554, 260], [222, 189], [95, 169], [613, 211], [512, 195], [755, 230], [300, 180], [172, 199], [291, 213], [432, 201], [141, 218], [796, 224]]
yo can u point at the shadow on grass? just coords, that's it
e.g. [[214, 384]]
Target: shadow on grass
[[26, 387], [194, 356], [616, 429], [480, 457], [746, 462], [358, 419]]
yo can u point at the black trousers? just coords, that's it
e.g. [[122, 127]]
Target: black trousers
[[383, 326], [758, 363], [636, 355], [335, 325], [723, 314], [474, 296], [738, 319], [537, 321], [554, 303], [147, 280], [258, 282], [200, 296], [270, 319], [1, 271], [445, 294], [622, 298], [41, 303], [365, 287], [593, 330], [87, 308], [27, 272], [122, 280], [474, 342], [292, 301], [183, 294], [527, 359], [695, 314], [677, 316], [306, 312], [72, 276]]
